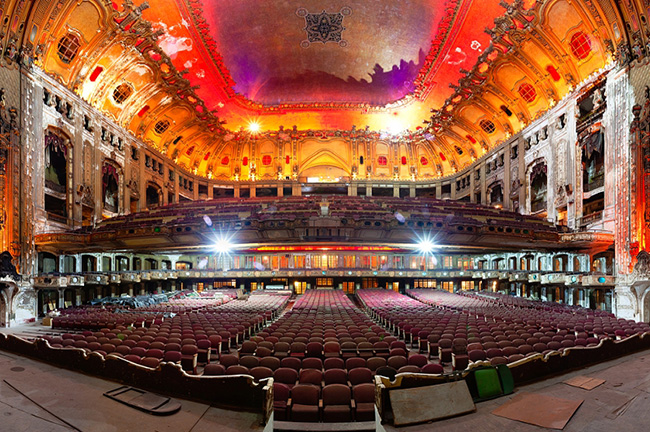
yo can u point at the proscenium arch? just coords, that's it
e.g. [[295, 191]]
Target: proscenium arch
[[325, 158]]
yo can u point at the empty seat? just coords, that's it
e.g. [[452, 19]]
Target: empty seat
[[334, 363], [432, 368], [298, 349], [408, 369], [337, 403], [291, 362], [355, 362], [272, 363], [281, 395], [229, 360], [304, 403], [359, 375], [214, 369], [375, 363], [364, 400], [335, 376], [397, 362], [331, 349], [261, 372], [250, 361], [237, 370], [310, 376], [286, 376], [189, 358], [312, 363], [151, 362]]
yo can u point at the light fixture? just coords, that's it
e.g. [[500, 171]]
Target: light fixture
[[426, 246], [253, 127], [223, 244]]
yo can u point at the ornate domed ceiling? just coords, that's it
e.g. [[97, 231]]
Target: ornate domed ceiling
[[429, 86], [324, 65]]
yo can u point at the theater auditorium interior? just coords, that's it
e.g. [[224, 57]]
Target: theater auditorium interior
[[324, 215]]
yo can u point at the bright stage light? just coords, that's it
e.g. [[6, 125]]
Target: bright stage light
[[253, 127], [426, 246], [223, 244]]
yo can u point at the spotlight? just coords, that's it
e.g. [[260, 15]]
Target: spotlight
[[426, 246], [253, 127], [223, 244]]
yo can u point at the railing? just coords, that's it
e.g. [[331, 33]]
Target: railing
[[596, 183], [591, 218], [49, 184], [57, 218], [539, 205]]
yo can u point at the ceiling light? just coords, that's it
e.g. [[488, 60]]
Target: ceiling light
[[253, 127], [394, 126], [223, 244], [426, 246]]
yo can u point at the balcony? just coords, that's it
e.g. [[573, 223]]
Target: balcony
[[591, 218], [538, 206], [596, 183]]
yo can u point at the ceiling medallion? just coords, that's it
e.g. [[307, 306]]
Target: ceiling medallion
[[324, 27]]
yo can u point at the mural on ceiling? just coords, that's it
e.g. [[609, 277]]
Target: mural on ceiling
[[245, 59], [265, 49]]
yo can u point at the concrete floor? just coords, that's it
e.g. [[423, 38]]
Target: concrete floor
[[75, 402]]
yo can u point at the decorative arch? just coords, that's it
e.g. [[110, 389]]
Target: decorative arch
[[326, 158], [538, 185], [154, 195], [58, 163], [495, 192], [112, 180]]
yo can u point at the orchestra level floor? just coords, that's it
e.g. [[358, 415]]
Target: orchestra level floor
[[75, 402]]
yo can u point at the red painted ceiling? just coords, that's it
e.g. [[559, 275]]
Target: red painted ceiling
[[397, 62]]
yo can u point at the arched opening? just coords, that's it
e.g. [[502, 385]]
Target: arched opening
[[541, 264], [3, 307], [137, 263], [538, 188], [645, 304], [593, 162], [513, 263], [560, 263], [110, 188], [69, 264], [495, 194], [122, 263], [150, 264], [88, 263], [153, 196], [48, 300], [56, 173], [576, 264], [107, 264], [183, 265], [47, 263]]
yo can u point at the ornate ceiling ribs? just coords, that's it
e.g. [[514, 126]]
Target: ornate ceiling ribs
[[517, 39]]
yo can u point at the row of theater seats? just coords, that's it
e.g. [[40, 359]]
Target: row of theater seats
[[412, 363], [353, 208], [190, 339], [462, 329], [337, 403]]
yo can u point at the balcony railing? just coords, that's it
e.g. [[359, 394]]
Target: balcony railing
[[536, 206], [596, 183], [591, 218]]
